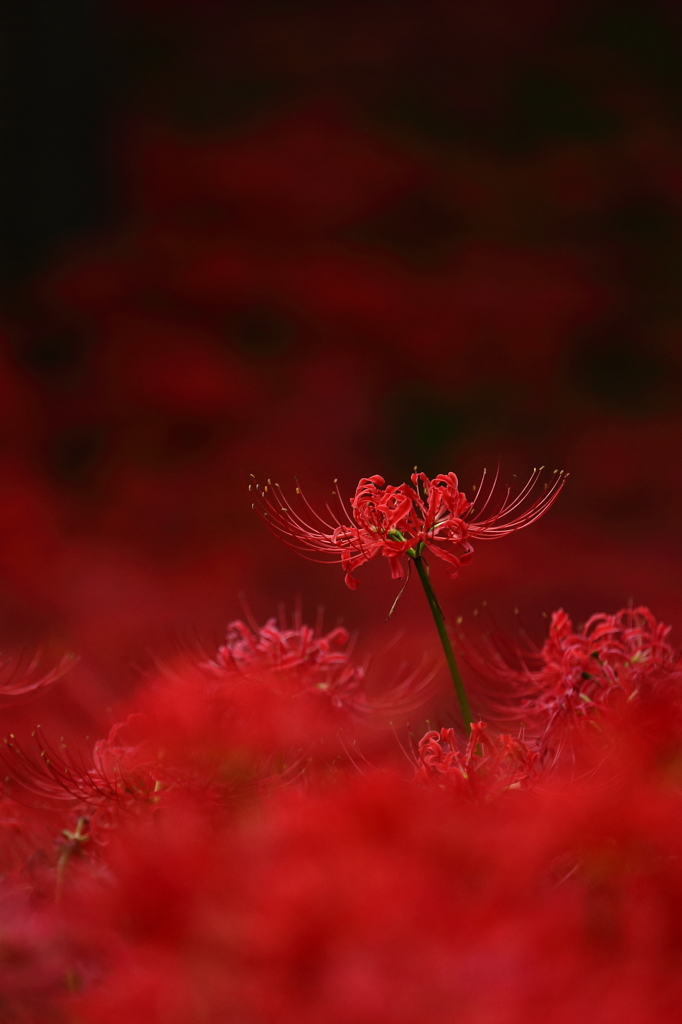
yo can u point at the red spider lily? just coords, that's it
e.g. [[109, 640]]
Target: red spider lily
[[320, 662], [395, 521], [487, 765], [275, 703], [113, 771], [577, 673], [217, 727], [304, 658], [119, 776]]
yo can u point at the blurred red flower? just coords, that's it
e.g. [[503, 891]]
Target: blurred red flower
[[578, 673]]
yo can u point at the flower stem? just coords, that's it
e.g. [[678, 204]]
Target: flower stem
[[74, 842], [444, 639]]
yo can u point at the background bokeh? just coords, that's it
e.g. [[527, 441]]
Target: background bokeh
[[329, 240]]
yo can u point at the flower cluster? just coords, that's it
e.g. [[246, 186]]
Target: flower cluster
[[252, 843], [395, 521], [167, 877], [578, 673], [278, 832]]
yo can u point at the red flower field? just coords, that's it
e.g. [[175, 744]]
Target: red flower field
[[329, 280]]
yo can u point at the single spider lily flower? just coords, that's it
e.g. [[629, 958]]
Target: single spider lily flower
[[113, 778], [301, 659], [404, 520], [576, 673], [313, 660], [487, 764]]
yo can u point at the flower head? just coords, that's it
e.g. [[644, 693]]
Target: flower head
[[300, 659], [579, 672], [119, 776], [316, 661], [395, 521], [487, 765]]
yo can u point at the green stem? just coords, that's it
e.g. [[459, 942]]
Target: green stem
[[444, 639], [74, 841]]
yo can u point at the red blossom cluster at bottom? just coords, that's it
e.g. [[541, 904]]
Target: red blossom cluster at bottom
[[257, 844]]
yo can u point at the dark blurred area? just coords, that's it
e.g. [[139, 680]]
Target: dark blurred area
[[329, 240]]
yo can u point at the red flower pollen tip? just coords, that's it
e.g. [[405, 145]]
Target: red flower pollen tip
[[395, 521]]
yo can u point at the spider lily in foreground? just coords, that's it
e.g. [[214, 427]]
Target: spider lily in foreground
[[406, 521]]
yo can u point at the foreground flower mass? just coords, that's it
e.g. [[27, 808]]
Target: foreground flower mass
[[254, 844]]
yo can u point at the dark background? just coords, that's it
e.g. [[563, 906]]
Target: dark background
[[331, 240]]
